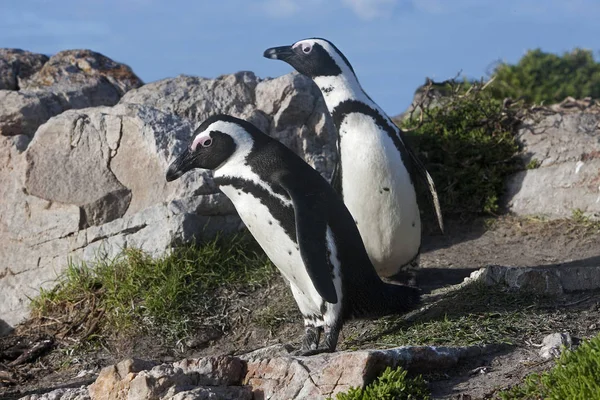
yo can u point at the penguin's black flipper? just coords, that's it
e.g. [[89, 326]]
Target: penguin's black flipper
[[311, 226]]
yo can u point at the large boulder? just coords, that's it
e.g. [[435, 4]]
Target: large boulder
[[289, 108], [561, 145], [37, 88], [17, 66], [92, 181]]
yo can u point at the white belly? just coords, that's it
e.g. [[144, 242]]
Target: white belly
[[278, 246], [379, 194]]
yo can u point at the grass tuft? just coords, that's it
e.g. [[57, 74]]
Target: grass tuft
[[392, 384], [575, 377], [167, 295]]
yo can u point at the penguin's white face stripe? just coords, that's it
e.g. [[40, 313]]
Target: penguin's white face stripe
[[236, 166], [305, 45]]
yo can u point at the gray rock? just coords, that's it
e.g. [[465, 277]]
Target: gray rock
[[80, 393], [554, 344], [289, 108], [566, 145], [17, 66], [92, 180], [21, 113], [540, 280], [100, 189], [71, 79], [277, 377]]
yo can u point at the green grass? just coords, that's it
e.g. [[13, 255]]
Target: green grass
[[473, 315], [167, 295], [575, 377], [467, 143], [392, 384]]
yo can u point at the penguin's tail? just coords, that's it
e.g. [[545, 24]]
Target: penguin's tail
[[397, 299]]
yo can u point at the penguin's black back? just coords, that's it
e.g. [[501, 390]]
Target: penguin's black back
[[364, 294]]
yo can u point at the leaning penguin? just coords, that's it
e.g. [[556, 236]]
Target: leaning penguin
[[300, 222], [377, 170]]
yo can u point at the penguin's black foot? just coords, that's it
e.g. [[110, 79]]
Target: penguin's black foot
[[312, 352]]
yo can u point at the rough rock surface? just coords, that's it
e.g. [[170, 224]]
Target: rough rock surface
[[37, 88], [540, 280], [565, 142], [554, 344], [17, 66], [289, 108], [90, 183], [92, 180], [268, 374]]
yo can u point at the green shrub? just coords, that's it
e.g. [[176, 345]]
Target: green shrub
[[393, 384], [575, 377], [467, 142], [169, 294], [545, 77]]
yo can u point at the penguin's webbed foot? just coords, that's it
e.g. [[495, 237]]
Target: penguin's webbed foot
[[312, 336], [312, 352]]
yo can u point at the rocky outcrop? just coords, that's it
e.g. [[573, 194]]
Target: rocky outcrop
[[34, 88], [561, 144], [549, 281], [17, 66], [289, 108], [257, 376], [91, 181]]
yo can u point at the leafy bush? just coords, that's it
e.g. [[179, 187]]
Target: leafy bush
[[466, 139], [575, 377], [168, 294], [545, 77], [393, 384]]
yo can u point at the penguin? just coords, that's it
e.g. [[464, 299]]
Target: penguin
[[300, 222], [376, 170]]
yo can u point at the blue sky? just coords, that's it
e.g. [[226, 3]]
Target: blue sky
[[392, 44]]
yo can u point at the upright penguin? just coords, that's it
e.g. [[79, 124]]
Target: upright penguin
[[300, 222], [377, 169]]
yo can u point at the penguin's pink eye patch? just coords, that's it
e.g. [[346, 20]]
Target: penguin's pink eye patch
[[203, 141], [306, 47]]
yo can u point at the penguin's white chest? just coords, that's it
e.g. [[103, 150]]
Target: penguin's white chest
[[379, 194], [279, 247]]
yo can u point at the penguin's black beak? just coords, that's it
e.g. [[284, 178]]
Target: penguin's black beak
[[279, 53], [181, 165]]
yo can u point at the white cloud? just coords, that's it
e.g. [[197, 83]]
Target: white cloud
[[371, 9], [280, 8]]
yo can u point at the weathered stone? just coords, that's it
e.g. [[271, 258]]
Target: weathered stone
[[76, 69], [16, 66], [540, 280], [21, 113], [70, 79], [80, 393], [113, 381], [100, 189], [92, 181], [187, 379], [289, 108], [279, 377], [327, 374], [566, 146], [554, 344]]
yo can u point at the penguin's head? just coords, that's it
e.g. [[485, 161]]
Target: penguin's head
[[313, 58], [216, 141]]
